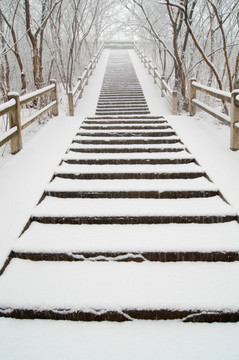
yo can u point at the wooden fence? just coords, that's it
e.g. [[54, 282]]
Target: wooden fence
[[232, 98], [170, 95], [13, 108], [76, 93]]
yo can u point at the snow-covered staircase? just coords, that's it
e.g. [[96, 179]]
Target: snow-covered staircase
[[126, 230], [121, 92], [130, 227]]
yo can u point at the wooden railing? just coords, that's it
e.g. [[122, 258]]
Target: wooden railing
[[13, 108], [170, 95], [232, 98], [76, 93]]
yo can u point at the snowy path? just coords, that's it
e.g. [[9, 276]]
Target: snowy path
[[35, 168]]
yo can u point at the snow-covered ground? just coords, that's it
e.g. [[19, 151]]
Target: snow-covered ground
[[22, 180]]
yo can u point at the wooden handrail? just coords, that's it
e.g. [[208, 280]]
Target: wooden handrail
[[13, 108], [76, 93], [171, 95], [232, 98]]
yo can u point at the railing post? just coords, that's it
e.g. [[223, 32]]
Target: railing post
[[15, 120], [80, 88], [54, 97], [141, 57], [87, 76], [162, 85], [70, 103], [149, 66], [175, 102], [155, 75], [145, 61], [235, 120], [192, 95], [90, 69]]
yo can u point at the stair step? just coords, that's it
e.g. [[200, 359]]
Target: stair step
[[126, 118], [124, 122], [122, 97], [191, 167], [122, 112], [129, 107], [158, 188], [126, 148], [150, 194], [119, 102], [173, 256], [126, 133], [111, 149], [124, 127], [184, 154], [110, 106], [204, 242], [176, 171], [120, 291], [126, 141], [133, 211], [127, 161]]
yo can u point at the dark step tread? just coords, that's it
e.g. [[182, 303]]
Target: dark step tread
[[186, 194], [128, 161], [112, 176], [127, 142], [138, 127], [161, 256], [78, 220], [122, 112], [126, 150], [122, 315], [127, 134]]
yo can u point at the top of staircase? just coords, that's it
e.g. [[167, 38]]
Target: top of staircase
[[114, 44]]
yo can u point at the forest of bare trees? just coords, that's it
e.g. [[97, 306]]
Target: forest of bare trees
[[46, 39], [190, 39]]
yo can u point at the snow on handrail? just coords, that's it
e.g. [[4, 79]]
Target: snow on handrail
[[210, 110], [7, 135], [82, 82], [37, 114], [219, 94], [232, 120], [173, 98], [13, 107], [24, 99], [7, 106]]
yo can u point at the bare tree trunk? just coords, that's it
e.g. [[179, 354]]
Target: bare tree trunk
[[15, 48]]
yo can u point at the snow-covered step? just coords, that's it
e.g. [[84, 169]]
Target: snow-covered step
[[131, 194], [133, 211], [123, 121], [172, 139], [127, 132], [124, 112], [184, 154], [124, 134], [172, 171], [204, 242], [161, 186], [112, 95], [127, 107], [123, 95], [126, 148], [120, 291], [125, 127], [113, 108], [126, 160]]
